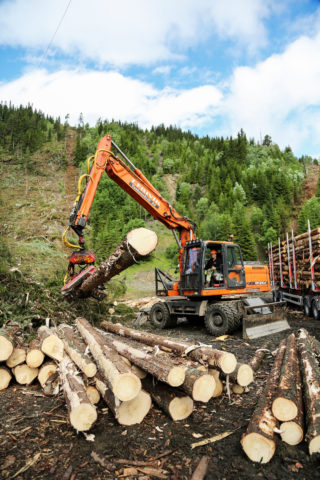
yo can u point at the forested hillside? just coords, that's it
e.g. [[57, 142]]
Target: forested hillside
[[228, 186]]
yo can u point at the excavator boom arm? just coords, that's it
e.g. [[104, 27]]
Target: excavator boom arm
[[134, 183]]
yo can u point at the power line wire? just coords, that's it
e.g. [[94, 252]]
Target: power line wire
[[53, 36]]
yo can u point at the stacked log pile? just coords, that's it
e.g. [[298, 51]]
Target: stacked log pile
[[300, 246], [290, 400], [128, 369]]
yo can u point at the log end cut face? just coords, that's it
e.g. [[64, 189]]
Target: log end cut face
[[258, 448], [143, 241], [53, 347], [126, 386], [291, 433], [227, 362], [34, 358], [5, 378], [180, 408], [245, 375], [203, 388], [314, 445], [284, 409], [6, 348], [134, 411], [176, 376], [83, 417]]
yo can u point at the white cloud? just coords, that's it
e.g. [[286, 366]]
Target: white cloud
[[110, 95], [131, 32], [279, 96]]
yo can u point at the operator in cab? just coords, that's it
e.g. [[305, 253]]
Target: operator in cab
[[213, 265]]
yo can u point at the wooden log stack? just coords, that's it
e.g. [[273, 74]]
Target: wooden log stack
[[127, 369], [290, 400], [300, 245]]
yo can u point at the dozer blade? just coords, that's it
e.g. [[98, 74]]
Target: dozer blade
[[261, 319]]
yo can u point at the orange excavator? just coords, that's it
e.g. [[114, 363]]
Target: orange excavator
[[214, 281]]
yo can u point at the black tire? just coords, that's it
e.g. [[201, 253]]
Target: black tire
[[307, 309], [219, 319], [315, 310], [160, 316]]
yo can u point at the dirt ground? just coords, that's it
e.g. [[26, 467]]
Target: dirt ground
[[37, 442]]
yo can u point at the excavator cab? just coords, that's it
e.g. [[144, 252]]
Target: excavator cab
[[208, 268]]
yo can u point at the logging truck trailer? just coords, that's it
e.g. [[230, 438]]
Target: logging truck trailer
[[294, 266], [214, 282]]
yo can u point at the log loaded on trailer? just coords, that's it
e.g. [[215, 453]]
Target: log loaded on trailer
[[222, 291], [294, 267]]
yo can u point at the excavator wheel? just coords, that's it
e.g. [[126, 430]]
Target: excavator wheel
[[160, 316], [220, 319]]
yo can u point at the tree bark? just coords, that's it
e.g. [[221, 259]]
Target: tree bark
[[126, 413], [259, 440], [35, 356], [51, 344], [285, 403], [164, 369], [76, 349], [82, 414], [118, 375], [139, 243], [258, 357], [173, 402], [215, 358], [310, 373]]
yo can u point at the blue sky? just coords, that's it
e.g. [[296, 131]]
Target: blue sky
[[208, 66]]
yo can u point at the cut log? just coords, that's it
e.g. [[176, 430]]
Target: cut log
[[237, 389], [35, 356], [291, 432], [174, 403], [126, 413], [76, 349], [219, 385], [82, 414], [17, 357], [139, 243], [51, 344], [5, 377], [285, 403], [48, 378], [259, 440], [199, 385], [310, 374], [164, 369], [24, 375], [216, 358], [93, 394], [242, 375], [118, 375], [258, 357], [6, 345]]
